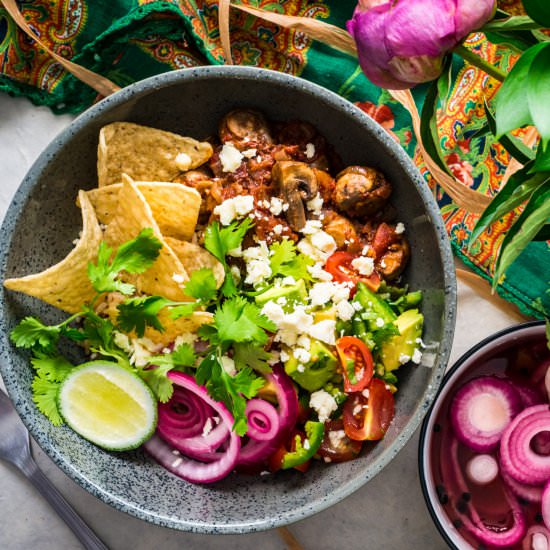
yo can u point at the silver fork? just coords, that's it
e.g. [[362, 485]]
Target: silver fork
[[15, 448]]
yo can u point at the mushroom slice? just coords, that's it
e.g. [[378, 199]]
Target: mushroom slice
[[296, 182], [361, 191], [245, 125]]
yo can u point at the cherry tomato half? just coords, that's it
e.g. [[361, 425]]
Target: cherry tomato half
[[356, 363], [336, 445], [368, 418], [339, 266]]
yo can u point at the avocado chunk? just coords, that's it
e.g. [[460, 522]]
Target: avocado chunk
[[374, 308], [319, 370], [292, 294], [400, 348]]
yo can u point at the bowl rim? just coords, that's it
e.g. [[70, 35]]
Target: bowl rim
[[164, 80], [426, 428]]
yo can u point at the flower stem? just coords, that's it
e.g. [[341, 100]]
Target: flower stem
[[479, 62]]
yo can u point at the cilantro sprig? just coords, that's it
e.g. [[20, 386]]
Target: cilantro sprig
[[287, 262], [219, 241]]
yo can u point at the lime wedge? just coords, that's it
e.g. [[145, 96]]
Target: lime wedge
[[108, 405]]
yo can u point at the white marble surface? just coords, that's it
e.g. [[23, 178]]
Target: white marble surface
[[388, 513]]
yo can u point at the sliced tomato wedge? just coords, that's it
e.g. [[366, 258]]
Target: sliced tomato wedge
[[339, 266], [368, 414], [336, 445], [356, 363]]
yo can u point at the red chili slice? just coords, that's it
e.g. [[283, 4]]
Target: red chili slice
[[339, 266], [356, 363], [368, 418]]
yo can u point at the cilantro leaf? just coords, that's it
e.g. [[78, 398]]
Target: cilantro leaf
[[44, 394], [140, 312], [219, 241], [182, 356], [54, 369], [184, 310], [202, 285], [285, 261], [231, 390], [158, 382], [249, 355], [134, 256], [240, 321], [31, 333]]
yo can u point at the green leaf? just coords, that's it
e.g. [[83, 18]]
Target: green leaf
[[54, 369], [141, 312], [253, 356], [157, 380], [44, 394], [444, 82], [285, 261], [202, 285], [184, 310], [542, 160], [182, 356], [219, 241], [532, 219], [538, 93], [517, 190], [539, 10], [240, 321], [31, 333], [134, 256], [543, 234], [428, 128], [515, 147], [512, 111], [514, 23], [518, 41]]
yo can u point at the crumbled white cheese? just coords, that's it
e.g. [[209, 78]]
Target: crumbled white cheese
[[366, 393], [399, 228], [380, 322], [207, 428], [417, 356], [324, 242], [249, 153], [304, 342], [318, 272], [141, 350], [302, 355], [122, 341], [357, 306], [185, 338], [233, 208], [306, 444], [230, 157], [364, 265], [282, 301], [366, 250], [236, 252], [288, 281], [301, 368], [324, 331], [278, 229], [311, 227], [258, 266], [344, 310], [178, 278], [310, 150], [336, 437], [276, 206], [289, 325], [284, 356], [323, 404], [228, 365], [403, 358], [322, 293], [315, 204], [183, 161], [236, 272]]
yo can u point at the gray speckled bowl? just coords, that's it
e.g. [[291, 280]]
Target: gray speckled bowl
[[43, 220]]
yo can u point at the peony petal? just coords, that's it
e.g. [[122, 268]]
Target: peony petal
[[417, 69], [471, 15], [420, 27]]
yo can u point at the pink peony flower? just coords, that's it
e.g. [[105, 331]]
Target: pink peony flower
[[402, 42]]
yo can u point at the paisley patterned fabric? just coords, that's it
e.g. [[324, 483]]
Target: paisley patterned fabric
[[127, 40]]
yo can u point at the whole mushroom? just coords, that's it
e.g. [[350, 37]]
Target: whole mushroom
[[361, 191], [295, 183], [243, 126]]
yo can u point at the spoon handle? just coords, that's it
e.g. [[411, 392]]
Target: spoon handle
[[85, 535]]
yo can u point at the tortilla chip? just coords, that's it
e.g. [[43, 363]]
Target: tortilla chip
[[132, 215], [175, 207], [146, 154], [194, 257], [66, 285], [174, 328]]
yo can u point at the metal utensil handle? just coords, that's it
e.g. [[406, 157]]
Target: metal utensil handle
[[86, 536]]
